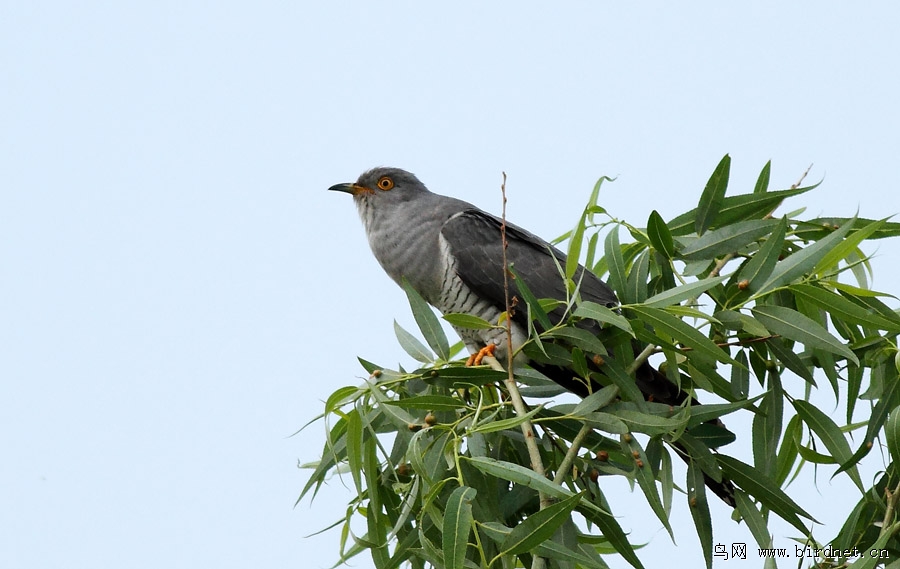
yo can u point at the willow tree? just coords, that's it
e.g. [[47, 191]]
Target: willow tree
[[747, 308]]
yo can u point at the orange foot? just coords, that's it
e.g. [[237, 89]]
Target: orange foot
[[475, 359]]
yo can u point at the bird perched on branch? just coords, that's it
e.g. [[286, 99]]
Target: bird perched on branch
[[451, 253]]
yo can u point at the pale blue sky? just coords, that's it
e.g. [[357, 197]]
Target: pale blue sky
[[179, 292]]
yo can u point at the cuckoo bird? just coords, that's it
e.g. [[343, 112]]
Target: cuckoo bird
[[451, 253]]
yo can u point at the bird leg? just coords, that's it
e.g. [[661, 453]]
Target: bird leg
[[476, 358]]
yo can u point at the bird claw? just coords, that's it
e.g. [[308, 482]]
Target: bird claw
[[476, 358]]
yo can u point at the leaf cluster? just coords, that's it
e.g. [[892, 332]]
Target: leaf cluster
[[743, 305]]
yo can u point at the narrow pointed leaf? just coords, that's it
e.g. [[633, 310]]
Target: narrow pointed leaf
[[684, 292], [765, 490], [848, 246], [428, 322], [596, 400], [795, 326], [843, 309], [728, 239], [539, 527], [753, 518], [660, 236], [645, 478], [699, 508], [830, 435], [762, 183], [803, 261], [712, 196], [355, 448], [892, 435], [457, 526], [537, 311], [411, 345], [758, 269], [468, 321], [681, 332], [737, 208], [613, 256], [604, 315]]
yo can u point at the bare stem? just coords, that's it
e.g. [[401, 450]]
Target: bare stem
[[892, 498], [567, 461], [534, 453], [641, 358]]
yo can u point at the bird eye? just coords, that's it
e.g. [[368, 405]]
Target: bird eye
[[385, 183]]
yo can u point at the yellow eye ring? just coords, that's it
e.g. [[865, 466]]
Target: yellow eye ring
[[385, 183]]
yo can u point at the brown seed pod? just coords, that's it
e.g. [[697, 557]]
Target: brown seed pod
[[594, 474], [742, 285], [602, 456], [414, 427], [639, 463], [626, 437], [430, 419]]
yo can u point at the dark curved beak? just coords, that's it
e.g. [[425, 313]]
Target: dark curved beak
[[348, 188]]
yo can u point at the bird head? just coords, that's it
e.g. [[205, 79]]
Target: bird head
[[383, 186]]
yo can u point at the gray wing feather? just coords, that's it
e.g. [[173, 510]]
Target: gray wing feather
[[475, 243]]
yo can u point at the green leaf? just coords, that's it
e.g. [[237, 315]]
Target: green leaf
[[795, 326], [795, 266], [518, 474], [676, 328], [429, 403], [411, 345], [637, 278], [728, 239], [534, 307], [503, 424], [596, 400], [428, 322], [843, 309], [892, 434], [712, 196], [626, 384], [645, 477], [761, 265], [660, 236], [355, 448], [539, 526], [848, 246], [766, 427], [457, 525], [653, 424], [613, 256], [712, 411], [682, 293], [830, 435], [699, 508], [871, 561], [753, 518], [468, 321], [604, 315], [578, 337], [765, 490], [762, 183], [737, 208]]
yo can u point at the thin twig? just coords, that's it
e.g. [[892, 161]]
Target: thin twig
[[803, 177], [534, 452], [892, 498], [641, 358], [567, 461]]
